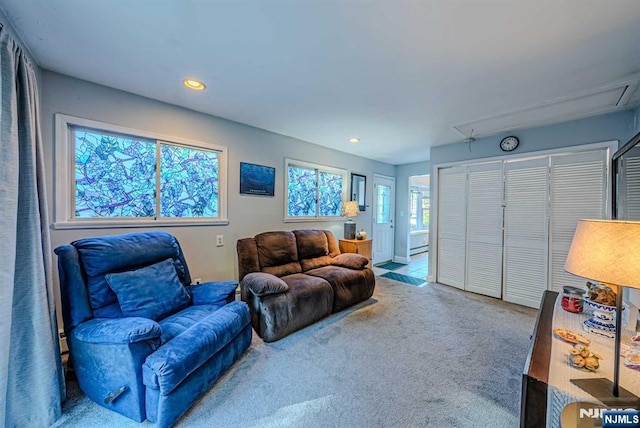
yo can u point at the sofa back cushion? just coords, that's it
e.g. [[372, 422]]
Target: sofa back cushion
[[313, 248], [277, 253], [118, 253]]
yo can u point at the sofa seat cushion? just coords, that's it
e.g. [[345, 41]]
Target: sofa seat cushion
[[308, 299], [349, 286], [177, 359], [177, 323], [150, 292]]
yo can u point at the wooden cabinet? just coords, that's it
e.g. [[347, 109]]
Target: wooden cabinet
[[363, 247]]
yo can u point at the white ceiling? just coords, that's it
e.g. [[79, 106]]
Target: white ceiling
[[400, 75]]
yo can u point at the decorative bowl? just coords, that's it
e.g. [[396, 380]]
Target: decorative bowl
[[591, 306]]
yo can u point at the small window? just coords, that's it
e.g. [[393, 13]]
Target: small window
[[419, 215], [124, 177], [314, 191]]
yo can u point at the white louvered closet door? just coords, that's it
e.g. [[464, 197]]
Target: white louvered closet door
[[484, 229], [452, 191], [525, 231], [630, 182], [578, 190]]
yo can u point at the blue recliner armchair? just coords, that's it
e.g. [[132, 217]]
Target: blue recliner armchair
[[143, 341]]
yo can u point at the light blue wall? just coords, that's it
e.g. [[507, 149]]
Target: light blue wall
[[613, 126], [248, 215], [403, 172], [618, 126]]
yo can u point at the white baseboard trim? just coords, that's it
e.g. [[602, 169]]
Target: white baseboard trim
[[404, 260], [431, 278], [418, 250]]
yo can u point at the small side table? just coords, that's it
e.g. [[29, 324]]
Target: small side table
[[363, 247]]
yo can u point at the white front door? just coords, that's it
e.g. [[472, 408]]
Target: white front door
[[384, 192]]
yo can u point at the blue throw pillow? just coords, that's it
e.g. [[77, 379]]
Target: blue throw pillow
[[150, 292]]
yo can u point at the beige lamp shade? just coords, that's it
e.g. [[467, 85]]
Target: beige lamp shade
[[606, 251], [350, 208]]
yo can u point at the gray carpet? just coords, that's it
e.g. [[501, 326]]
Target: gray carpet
[[409, 357]]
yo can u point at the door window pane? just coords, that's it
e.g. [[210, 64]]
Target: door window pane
[[383, 208]]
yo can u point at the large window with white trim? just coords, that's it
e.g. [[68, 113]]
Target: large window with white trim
[[314, 191], [112, 176]]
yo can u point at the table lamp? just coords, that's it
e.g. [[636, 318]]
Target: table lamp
[[350, 209], [607, 251]]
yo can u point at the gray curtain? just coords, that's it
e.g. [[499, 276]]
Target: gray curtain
[[31, 378]]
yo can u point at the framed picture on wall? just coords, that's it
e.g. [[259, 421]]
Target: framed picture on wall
[[257, 179]]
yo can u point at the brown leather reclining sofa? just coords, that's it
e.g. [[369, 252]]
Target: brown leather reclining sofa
[[291, 279]]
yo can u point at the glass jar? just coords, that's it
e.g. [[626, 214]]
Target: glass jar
[[572, 299]]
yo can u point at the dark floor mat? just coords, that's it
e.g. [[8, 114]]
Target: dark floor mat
[[390, 265], [404, 278]]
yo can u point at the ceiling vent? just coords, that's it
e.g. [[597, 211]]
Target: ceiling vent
[[554, 111]]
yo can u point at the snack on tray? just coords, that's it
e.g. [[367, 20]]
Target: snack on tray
[[581, 357], [580, 349], [601, 294], [577, 361], [570, 337], [632, 360]]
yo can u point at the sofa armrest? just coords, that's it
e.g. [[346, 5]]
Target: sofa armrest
[[264, 284], [213, 292], [115, 331], [350, 260]]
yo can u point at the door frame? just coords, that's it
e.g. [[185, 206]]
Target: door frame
[[391, 212]]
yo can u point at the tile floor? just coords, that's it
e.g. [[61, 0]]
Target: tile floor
[[418, 268]]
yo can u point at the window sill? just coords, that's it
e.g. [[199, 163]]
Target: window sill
[[112, 224], [311, 219]]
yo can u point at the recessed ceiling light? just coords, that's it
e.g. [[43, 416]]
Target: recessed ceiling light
[[194, 84], [354, 140]]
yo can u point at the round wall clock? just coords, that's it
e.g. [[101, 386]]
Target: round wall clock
[[509, 144]]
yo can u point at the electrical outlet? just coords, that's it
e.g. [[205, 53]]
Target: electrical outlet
[[219, 240], [197, 280]]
